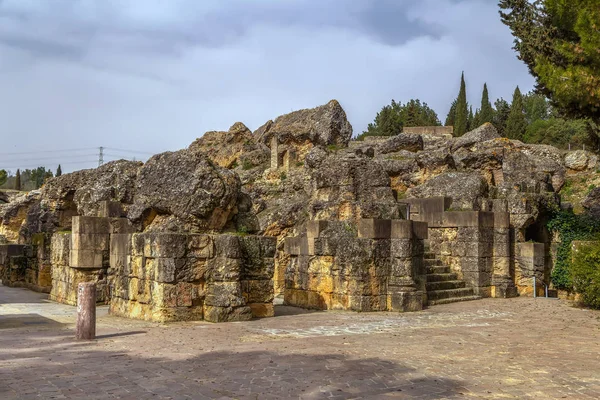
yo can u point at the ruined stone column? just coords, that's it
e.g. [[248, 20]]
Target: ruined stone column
[[86, 311]]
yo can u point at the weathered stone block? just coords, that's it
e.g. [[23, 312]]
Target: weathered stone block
[[90, 241], [200, 246], [374, 228], [86, 259], [401, 248], [227, 246], [165, 245], [227, 314], [401, 267], [60, 249], [406, 301], [224, 294], [81, 225], [258, 291], [192, 269], [223, 269]]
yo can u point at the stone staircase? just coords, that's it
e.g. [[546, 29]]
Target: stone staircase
[[443, 285]]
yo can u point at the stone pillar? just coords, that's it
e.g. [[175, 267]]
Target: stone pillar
[[86, 311], [406, 281], [502, 278], [529, 262], [274, 153]]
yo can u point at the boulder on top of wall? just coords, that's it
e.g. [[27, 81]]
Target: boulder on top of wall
[[188, 186], [484, 133], [236, 147], [404, 141], [86, 189], [465, 188], [324, 125]]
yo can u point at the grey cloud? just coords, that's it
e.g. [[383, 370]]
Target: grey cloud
[[152, 75]]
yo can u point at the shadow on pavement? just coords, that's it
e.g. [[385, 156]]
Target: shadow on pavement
[[64, 368], [113, 335], [25, 320]]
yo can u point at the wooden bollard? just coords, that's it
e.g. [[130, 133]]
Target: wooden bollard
[[86, 311]]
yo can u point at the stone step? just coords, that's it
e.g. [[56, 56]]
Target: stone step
[[442, 277], [438, 269], [432, 262], [452, 300], [429, 256], [449, 293], [445, 285]]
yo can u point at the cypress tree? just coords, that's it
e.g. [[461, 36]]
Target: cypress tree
[[487, 112], [462, 111], [58, 171], [470, 120], [516, 124], [451, 114], [18, 180], [477, 119]]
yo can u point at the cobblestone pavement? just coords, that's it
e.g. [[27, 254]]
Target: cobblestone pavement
[[496, 349]]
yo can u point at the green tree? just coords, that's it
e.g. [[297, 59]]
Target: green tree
[[461, 118], [501, 115], [18, 180], [560, 133], [3, 176], [451, 114], [415, 113], [39, 176], [392, 118], [58, 171], [486, 113], [559, 42], [536, 107], [471, 120], [516, 124], [477, 119]]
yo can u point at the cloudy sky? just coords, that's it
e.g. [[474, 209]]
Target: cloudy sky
[[152, 75]]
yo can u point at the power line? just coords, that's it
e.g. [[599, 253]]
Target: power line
[[48, 158], [61, 163], [129, 151], [47, 151]]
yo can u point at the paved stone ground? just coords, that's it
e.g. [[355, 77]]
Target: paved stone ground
[[496, 349]]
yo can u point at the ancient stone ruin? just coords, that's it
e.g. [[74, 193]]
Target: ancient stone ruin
[[295, 211]]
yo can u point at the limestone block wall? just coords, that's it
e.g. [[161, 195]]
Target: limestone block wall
[[375, 265], [20, 266], [475, 245], [173, 277], [65, 278], [529, 262]]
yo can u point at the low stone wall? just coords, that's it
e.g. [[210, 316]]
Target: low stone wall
[[446, 131], [164, 276], [174, 277], [25, 266], [373, 266]]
